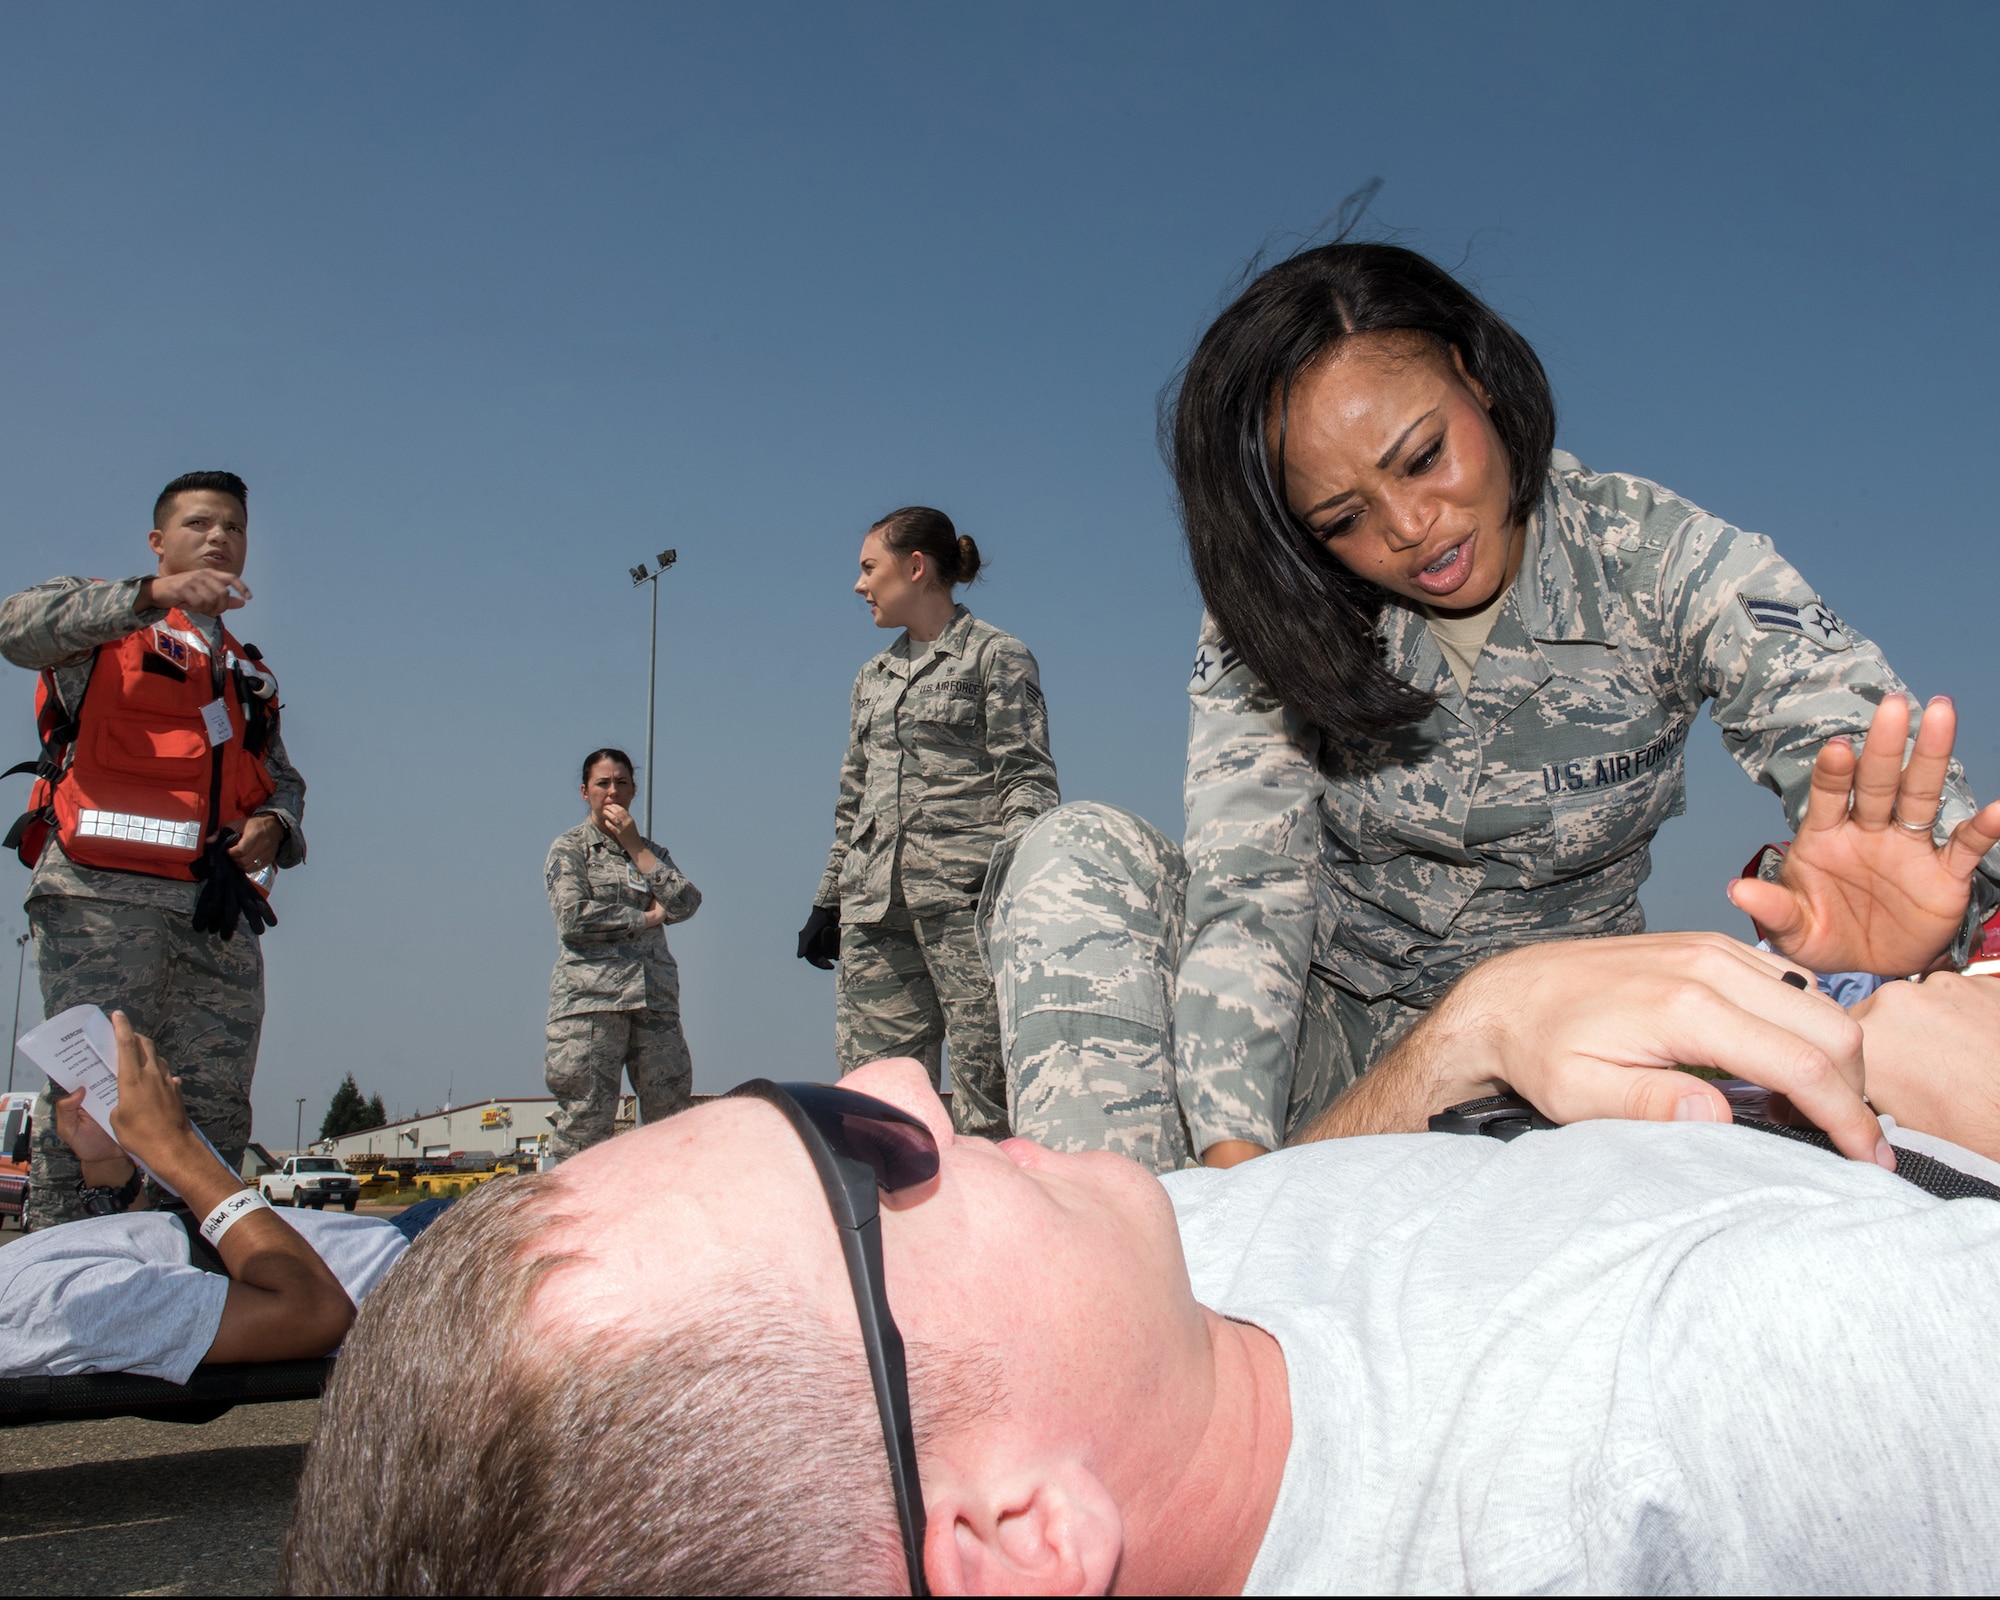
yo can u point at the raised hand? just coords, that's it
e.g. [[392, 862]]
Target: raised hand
[[149, 1120], [618, 823], [204, 590], [1864, 888]]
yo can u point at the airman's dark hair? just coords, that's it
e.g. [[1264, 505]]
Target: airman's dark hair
[[220, 482], [607, 754], [953, 555], [1301, 620]]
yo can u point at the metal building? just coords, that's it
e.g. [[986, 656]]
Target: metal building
[[495, 1127]]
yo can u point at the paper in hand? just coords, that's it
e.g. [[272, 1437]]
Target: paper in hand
[[78, 1050]]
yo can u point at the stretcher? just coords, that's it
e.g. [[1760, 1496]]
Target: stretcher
[[207, 1394]]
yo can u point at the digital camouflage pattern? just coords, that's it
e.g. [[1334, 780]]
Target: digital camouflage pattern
[[123, 940], [1331, 893], [908, 983], [199, 998], [59, 625], [609, 959], [1336, 888], [586, 1054], [1081, 929], [1082, 932], [943, 762], [615, 993]]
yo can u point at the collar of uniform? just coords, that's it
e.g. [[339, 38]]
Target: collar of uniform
[[595, 838], [1564, 599], [951, 642]]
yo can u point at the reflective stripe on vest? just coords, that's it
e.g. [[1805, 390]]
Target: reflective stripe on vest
[[123, 825]]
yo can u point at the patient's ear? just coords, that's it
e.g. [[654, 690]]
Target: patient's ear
[[1057, 1531]]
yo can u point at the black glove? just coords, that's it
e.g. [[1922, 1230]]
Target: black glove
[[819, 939], [227, 894]]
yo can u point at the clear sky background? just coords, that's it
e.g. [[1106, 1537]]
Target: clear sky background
[[489, 302]]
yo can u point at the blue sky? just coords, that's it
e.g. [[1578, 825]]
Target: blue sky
[[488, 302]]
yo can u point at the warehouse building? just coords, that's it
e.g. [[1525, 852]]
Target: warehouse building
[[486, 1127]]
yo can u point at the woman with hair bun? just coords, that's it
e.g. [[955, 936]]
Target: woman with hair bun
[[947, 758], [1438, 710], [615, 995]]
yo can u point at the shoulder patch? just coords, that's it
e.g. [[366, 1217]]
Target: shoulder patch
[[1034, 690], [1812, 620], [1211, 662]]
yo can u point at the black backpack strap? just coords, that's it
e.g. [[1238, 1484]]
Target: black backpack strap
[[1508, 1116], [1926, 1172]]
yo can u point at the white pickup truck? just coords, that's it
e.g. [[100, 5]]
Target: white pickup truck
[[311, 1181]]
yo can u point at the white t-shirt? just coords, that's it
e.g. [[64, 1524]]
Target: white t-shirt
[[120, 1294], [1618, 1357]]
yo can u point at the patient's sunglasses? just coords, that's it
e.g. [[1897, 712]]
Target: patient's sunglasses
[[860, 1144]]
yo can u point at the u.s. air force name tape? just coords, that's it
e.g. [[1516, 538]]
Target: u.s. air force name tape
[[1811, 620], [229, 1211]]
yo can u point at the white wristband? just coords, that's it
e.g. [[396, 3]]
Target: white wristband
[[229, 1212]]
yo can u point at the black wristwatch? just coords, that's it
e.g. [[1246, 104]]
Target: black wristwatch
[[108, 1202]]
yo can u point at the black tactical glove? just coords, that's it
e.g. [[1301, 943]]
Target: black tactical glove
[[227, 894], [819, 939]]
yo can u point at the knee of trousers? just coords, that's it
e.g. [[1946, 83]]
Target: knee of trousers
[[1080, 872], [1091, 839]]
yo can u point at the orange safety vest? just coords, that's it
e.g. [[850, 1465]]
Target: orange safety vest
[[168, 746]]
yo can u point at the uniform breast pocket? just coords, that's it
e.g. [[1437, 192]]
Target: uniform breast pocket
[[611, 882], [1607, 807], [952, 705]]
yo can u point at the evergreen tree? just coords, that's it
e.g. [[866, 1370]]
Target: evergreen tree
[[349, 1113], [376, 1115]]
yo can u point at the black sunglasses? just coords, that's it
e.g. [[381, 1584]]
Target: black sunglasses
[[858, 1145]]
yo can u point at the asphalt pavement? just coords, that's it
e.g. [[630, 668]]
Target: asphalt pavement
[[123, 1506]]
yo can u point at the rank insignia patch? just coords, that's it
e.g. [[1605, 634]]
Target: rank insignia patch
[[1211, 661], [1812, 620]]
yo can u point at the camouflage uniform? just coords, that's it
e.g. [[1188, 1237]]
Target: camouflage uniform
[[124, 940], [615, 994], [944, 761], [1337, 887]]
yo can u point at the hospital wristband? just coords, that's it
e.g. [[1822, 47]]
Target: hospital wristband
[[229, 1212]]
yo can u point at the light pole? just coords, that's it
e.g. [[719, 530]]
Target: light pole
[[13, 1033], [299, 1133], [641, 575]]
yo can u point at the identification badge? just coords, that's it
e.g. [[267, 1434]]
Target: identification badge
[[216, 715]]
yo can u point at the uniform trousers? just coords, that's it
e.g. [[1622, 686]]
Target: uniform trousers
[[909, 983], [1081, 928], [589, 1052], [198, 997]]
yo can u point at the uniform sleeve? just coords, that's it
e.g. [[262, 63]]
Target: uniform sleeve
[[1783, 674], [1253, 847], [579, 918], [853, 777], [64, 620], [287, 802], [676, 896], [1017, 737]]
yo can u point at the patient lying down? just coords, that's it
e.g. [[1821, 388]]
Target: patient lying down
[[1622, 1355], [130, 1293]]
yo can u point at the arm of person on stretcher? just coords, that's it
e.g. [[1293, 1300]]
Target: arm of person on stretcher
[[1595, 1028], [283, 1304]]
